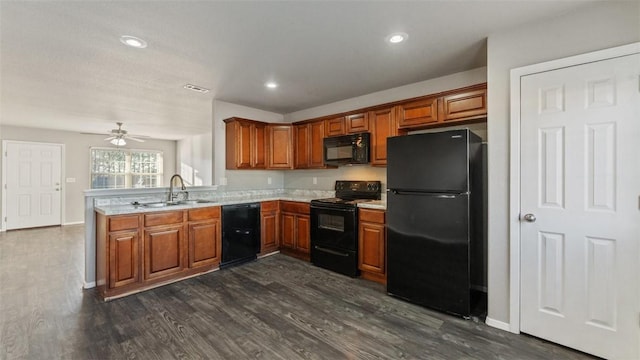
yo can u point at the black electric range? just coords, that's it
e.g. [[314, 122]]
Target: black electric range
[[334, 225]]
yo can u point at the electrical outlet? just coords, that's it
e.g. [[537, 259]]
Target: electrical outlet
[[223, 181], [269, 180], [315, 180]]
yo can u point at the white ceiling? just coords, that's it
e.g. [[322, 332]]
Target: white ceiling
[[62, 65]]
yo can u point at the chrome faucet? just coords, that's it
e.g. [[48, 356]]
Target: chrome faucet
[[172, 196]]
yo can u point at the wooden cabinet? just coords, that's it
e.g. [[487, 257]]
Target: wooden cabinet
[[205, 237], [335, 126], [124, 261], [295, 229], [308, 145], [357, 123], [269, 227], [464, 106], [372, 244], [140, 251], [245, 144], [418, 113], [279, 145], [164, 251], [383, 125]]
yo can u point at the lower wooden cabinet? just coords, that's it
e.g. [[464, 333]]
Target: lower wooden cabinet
[[372, 244], [135, 252], [164, 251], [295, 229], [269, 227], [124, 261]]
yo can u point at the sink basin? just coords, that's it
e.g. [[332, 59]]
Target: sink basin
[[157, 204], [193, 202]]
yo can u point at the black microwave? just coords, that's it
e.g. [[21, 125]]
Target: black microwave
[[347, 149]]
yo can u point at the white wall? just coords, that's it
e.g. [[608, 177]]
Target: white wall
[[77, 161], [240, 179], [596, 27], [194, 159]]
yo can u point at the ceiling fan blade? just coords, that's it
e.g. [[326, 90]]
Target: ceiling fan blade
[[110, 138], [134, 139]]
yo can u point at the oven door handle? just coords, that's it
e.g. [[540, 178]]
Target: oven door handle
[[333, 208], [331, 251]]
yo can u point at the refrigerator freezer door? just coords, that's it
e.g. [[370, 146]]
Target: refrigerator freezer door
[[432, 162], [428, 250]]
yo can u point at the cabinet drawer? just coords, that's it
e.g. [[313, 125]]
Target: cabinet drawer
[[164, 218], [374, 216], [206, 213], [267, 206], [123, 223], [294, 207]]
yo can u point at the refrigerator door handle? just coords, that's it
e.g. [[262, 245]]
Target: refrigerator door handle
[[438, 195]]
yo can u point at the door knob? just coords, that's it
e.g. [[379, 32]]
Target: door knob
[[57, 189], [529, 218]]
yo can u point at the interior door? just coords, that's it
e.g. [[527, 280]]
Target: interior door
[[580, 229], [33, 184]]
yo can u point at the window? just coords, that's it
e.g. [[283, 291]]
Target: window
[[125, 168]]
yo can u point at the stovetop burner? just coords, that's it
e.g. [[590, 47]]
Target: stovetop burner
[[350, 193]]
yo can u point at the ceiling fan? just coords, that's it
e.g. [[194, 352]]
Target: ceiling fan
[[118, 136]]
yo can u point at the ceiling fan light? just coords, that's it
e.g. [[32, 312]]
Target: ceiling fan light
[[118, 142]]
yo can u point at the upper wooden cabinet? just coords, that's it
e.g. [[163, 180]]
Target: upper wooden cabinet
[[335, 126], [357, 123], [308, 145], [245, 144], [383, 125], [279, 145], [418, 113], [466, 105]]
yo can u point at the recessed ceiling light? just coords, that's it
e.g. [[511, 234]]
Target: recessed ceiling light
[[397, 37], [133, 41], [197, 88], [271, 85]]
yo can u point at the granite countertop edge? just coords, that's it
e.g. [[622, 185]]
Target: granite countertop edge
[[109, 210]]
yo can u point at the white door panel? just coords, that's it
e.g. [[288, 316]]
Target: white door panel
[[33, 181], [580, 178]]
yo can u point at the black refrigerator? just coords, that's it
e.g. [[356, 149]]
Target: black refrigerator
[[434, 218]]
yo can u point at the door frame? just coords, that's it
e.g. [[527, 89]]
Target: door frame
[[514, 162], [5, 143]]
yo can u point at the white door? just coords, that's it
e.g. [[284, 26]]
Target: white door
[[33, 184], [580, 194]]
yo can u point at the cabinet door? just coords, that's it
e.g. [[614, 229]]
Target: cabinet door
[[464, 106], [303, 231], [258, 148], [316, 150], [204, 243], [357, 123], [383, 125], [124, 260], [335, 126], [269, 232], [243, 146], [280, 147], [164, 251], [371, 247], [288, 229], [302, 146], [418, 113]]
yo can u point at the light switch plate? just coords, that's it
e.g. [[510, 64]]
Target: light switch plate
[[71, 180]]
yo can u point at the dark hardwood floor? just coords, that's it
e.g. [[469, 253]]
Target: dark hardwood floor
[[275, 308]]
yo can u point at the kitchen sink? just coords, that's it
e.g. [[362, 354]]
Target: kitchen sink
[[158, 204]]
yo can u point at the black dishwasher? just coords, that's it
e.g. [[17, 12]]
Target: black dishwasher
[[240, 233]]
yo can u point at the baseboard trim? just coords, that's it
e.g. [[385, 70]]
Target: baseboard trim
[[89, 285], [497, 324], [74, 223]]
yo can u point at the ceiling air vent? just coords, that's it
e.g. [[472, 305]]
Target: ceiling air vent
[[196, 88]]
